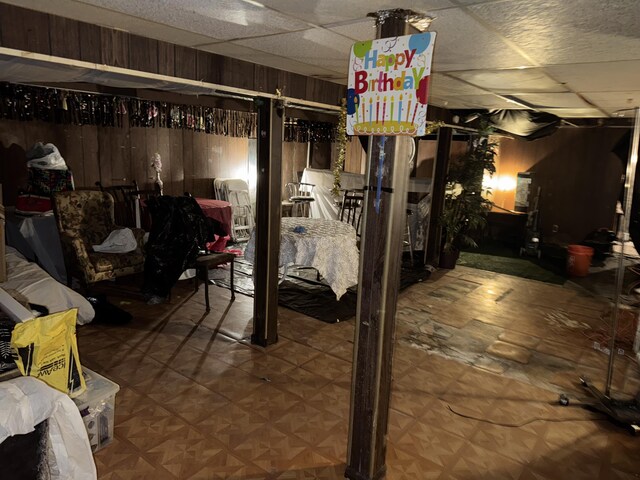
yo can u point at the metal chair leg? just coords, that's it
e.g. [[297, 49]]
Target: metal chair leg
[[233, 291], [206, 289]]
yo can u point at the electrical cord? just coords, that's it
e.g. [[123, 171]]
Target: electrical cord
[[528, 422]]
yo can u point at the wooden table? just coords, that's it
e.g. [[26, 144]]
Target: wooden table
[[206, 262]]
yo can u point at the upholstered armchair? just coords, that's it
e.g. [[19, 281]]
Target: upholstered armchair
[[85, 218]]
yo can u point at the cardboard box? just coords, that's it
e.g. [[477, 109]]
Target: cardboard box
[[97, 407]]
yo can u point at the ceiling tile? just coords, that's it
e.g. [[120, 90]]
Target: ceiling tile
[[444, 85], [604, 77], [440, 102], [323, 12], [315, 46], [478, 101], [614, 101], [527, 80], [462, 43], [222, 19], [568, 31], [261, 58], [358, 31], [553, 100], [575, 112]]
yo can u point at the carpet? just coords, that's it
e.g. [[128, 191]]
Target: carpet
[[302, 292], [518, 267], [503, 257]]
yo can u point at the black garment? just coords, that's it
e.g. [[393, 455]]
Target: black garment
[[178, 232]]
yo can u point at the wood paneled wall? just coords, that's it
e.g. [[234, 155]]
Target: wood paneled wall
[[115, 156], [580, 178], [38, 32], [425, 158], [355, 158]]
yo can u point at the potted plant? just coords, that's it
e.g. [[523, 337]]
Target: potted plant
[[466, 204]]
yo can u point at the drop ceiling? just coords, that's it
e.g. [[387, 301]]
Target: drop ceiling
[[573, 58]]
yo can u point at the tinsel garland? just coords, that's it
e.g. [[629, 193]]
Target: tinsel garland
[[25, 103], [342, 149], [303, 131], [432, 127]]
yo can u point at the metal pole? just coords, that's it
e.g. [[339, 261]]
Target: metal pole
[[623, 235]]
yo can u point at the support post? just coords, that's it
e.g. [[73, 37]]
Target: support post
[[379, 280], [623, 236], [438, 186], [268, 213]]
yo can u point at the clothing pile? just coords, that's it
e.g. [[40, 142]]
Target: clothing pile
[[47, 174], [179, 231]]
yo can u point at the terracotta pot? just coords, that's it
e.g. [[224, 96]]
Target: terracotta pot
[[448, 259]]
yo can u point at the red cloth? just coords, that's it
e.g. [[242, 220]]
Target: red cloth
[[218, 210], [219, 244], [31, 204]]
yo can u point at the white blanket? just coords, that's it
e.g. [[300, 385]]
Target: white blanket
[[41, 289]]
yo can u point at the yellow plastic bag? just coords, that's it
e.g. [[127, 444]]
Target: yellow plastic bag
[[46, 348]]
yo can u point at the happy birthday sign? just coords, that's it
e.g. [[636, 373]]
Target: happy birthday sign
[[389, 85]]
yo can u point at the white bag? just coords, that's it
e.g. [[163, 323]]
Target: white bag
[[26, 402], [48, 157]]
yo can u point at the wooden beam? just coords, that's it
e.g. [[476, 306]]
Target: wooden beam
[[441, 167], [378, 286], [268, 213]]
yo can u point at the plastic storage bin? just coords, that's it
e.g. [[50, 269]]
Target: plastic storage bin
[[97, 405]]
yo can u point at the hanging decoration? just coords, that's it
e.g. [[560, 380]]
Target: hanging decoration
[[380, 172], [304, 131], [26, 103], [341, 138]]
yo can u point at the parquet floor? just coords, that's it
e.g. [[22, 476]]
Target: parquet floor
[[197, 401]]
